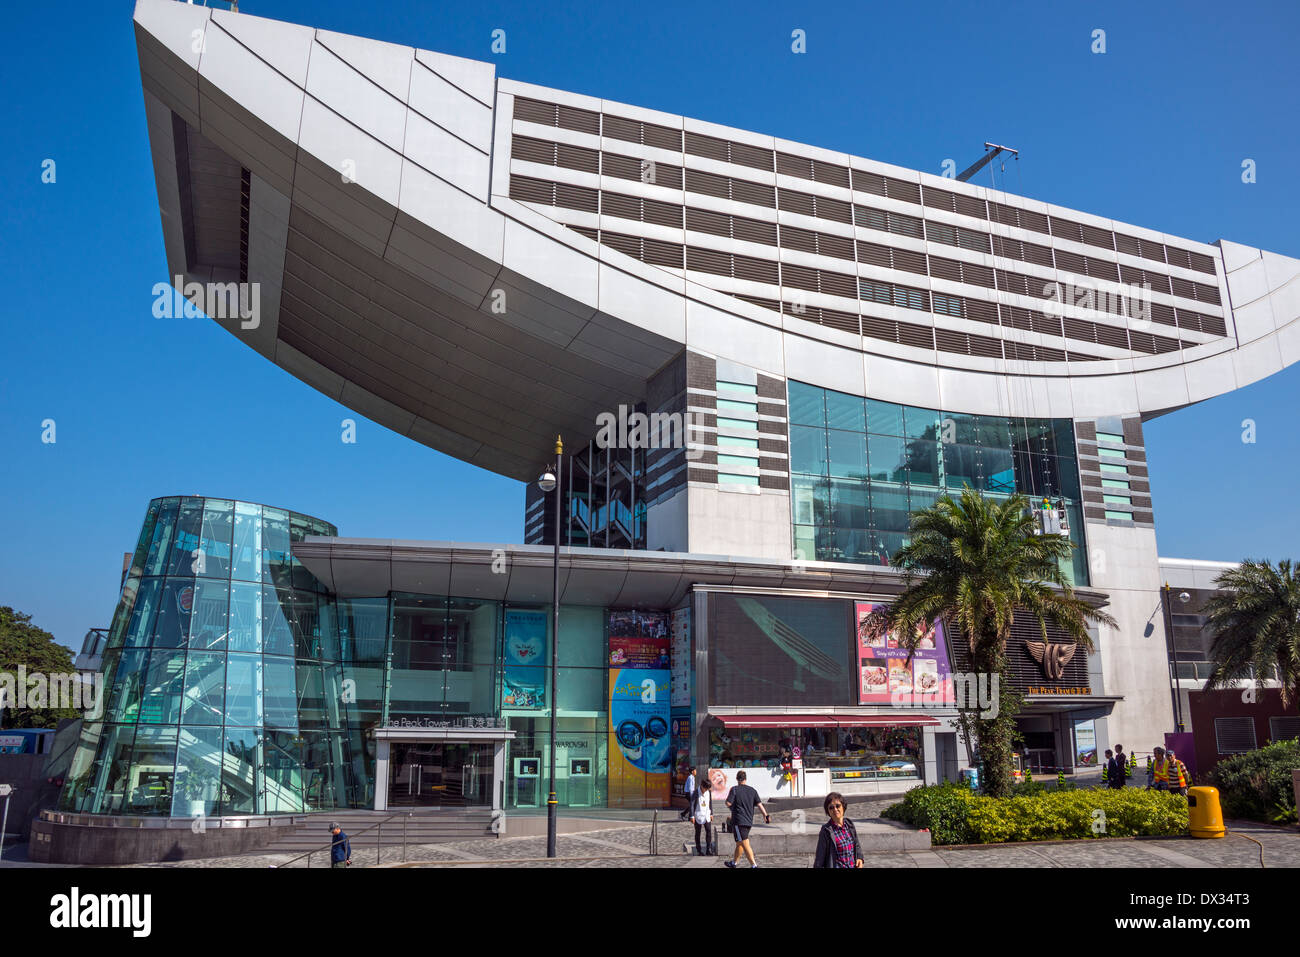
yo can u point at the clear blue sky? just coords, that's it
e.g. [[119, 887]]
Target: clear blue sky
[[1151, 132]]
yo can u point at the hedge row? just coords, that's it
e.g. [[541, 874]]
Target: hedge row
[[956, 816], [1258, 785]]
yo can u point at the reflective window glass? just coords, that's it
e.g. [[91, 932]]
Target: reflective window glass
[[163, 688], [848, 504], [160, 543], [243, 690], [922, 462], [172, 625], [247, 552], [921, 423], [809, 500], [185, 545], [204, 690], [889, 509], [245, 632], [886, 458], [240, 760], [845, 412], [884, 418], [209, 618], [276, 556], [807, 405], [198, 773], [153, 772], [848, 454], [277, 635], [279, 693], [142, 614], [808, 450], [126, 688], [282, 771], [214, 538]]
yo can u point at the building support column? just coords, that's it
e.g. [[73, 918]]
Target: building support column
[[381, 774]]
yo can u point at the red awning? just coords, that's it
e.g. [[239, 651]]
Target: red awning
[[826, 720]]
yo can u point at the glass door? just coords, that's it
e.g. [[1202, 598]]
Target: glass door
[[441, 774]]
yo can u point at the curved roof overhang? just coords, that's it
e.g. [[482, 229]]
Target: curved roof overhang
[[396, 275]]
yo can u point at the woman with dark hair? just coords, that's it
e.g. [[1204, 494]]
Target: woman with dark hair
[[837, 846]]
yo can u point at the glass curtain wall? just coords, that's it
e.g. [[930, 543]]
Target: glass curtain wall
[[223, 674], [860, 468]]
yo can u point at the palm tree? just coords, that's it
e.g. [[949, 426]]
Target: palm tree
[[976, 563], [1256, 626]]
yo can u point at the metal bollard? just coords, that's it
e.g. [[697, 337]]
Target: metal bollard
[[404, 820]]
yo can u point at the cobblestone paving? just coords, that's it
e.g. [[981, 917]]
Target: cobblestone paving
[[628, 846]]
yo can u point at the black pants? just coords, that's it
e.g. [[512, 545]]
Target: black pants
[[710, 845]]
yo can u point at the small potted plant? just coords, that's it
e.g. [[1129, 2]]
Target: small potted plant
[[198, 782]]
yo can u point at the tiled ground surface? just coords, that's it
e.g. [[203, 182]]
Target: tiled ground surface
[[628, 846]]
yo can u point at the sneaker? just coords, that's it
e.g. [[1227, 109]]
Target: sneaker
[[752, 866], [730, 863]]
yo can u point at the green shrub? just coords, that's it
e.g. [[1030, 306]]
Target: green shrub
[[1080, 813], [1028, 787], [956, 816], [943, 808], [1257, 785]]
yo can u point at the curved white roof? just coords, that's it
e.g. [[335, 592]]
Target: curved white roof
[[480, 264]]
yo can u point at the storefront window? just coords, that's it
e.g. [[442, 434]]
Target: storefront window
[[851, 753]]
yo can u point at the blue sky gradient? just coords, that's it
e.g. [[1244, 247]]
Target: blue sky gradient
[[1152, 132]]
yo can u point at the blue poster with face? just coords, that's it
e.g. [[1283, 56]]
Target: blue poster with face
[[523, 681], [641, 743]]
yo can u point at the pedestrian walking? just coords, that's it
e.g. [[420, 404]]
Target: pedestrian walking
[[689, 788], [1108, 766], [340, 848], [1115, 771], [837, 845], [1121, 766], [742, 799], [702, 814]]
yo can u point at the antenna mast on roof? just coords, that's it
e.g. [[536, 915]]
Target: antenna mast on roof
[[992, 150]]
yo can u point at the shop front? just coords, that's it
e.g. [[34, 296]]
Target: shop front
[[811, 755], [441, 764]]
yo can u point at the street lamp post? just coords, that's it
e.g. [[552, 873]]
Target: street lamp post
[[553, 481], [1174, 687]]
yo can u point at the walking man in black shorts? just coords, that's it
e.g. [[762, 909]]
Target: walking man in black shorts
[[742, 799]]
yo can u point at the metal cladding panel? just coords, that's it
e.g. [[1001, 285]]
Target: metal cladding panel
[[892, 269]]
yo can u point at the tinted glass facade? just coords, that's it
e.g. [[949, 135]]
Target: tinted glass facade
[[859, 468], [236, 684], [223, 674]]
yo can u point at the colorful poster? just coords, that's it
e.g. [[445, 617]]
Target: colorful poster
[[681, 732], [638, 639], [640, 739], [680, 656], [523, 680], [1085, 743], [887, 677]]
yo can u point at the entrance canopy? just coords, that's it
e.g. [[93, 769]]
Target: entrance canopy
[[825, 720]]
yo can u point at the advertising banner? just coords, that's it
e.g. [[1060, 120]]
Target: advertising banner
[[1085, 743], [887, 677], [680, 727], [640, 739], [523, 681], [680, 657], [638, 639]]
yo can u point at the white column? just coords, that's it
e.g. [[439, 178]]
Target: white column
[[498, 773], [381, 774]]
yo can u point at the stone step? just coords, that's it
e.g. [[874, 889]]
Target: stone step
[[788, 838]]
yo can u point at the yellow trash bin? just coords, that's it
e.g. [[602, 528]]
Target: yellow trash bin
[[1204, 816]]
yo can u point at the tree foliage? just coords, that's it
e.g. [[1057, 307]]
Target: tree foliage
[[1255, 620], [22, 643], [976, 563]]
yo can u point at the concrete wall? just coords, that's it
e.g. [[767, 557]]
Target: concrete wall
[[739, 520], [26, 773], [1134, 664], [53, 843]]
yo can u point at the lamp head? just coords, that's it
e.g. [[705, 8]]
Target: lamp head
[[546, 481]]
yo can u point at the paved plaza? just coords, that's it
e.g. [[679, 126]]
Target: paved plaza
[[628, 845]]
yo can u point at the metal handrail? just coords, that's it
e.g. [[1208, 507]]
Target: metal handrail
[[379, 844]]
